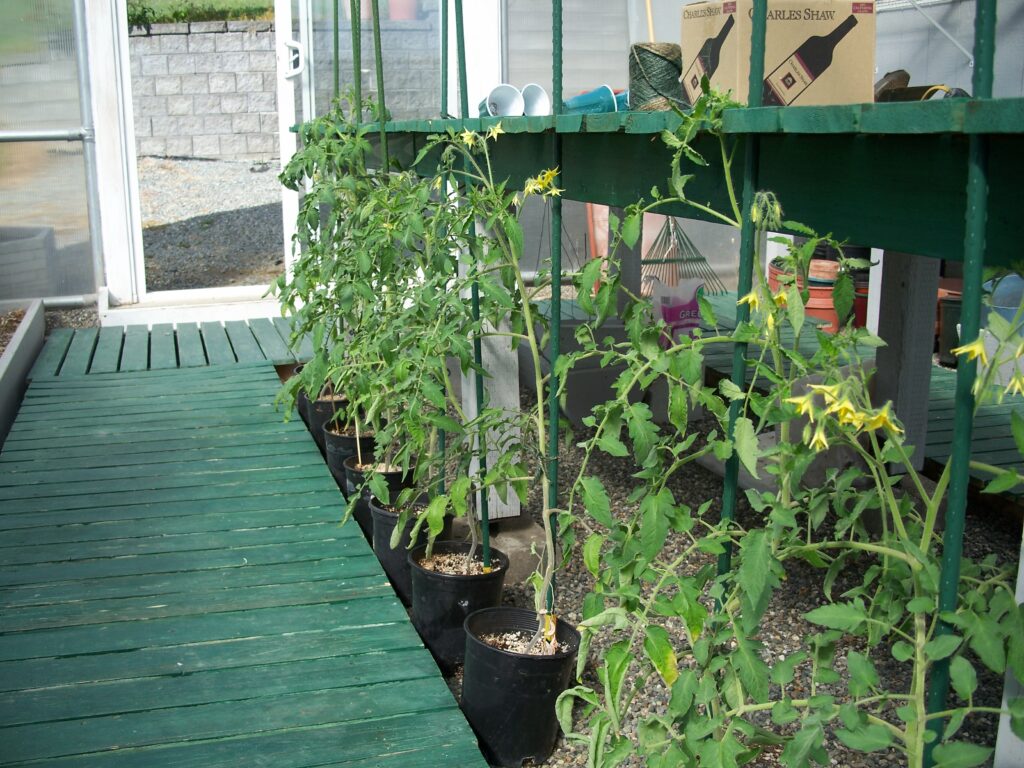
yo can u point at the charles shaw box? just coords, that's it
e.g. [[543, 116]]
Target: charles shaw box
[[816, 51]]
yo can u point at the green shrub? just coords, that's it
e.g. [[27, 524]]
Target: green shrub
[[142, 14]]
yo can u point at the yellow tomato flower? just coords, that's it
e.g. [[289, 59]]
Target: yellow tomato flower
[[468, 137], [829, 391], [553, 192], [752, 300], [819, 442], [532, 187], [495, 131], [780, 299], [882, 419], [546, 178], [846, 413], [976, 349], [769, 321], [804, 405], [1016, 385]]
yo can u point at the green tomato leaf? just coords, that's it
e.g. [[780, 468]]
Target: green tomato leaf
[[659, 650], [592, 553], [844, 616], [960, 754], [745, 442], [1002, 482], [941, 647], [986, 641], [631, 229], [867, 738], [757, 575], [1017, 427], [842, 296], [596, 501], [963, 677], [863, 676], [902, 651]]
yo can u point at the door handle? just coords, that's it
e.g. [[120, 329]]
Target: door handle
[[296, 53]]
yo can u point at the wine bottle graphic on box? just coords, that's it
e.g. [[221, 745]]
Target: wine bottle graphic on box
[[706, 62], [801, 68]]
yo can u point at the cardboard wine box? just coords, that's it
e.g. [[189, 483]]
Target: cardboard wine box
[[816, 51]]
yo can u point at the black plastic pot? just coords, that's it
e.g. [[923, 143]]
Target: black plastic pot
[[509, 698], [338, 447], [361, 511], [320, 412], [441, 601], [301, 399], [396, 561]]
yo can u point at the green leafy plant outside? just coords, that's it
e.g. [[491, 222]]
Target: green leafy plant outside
[[142, 14]]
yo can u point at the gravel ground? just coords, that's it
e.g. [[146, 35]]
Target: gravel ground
[[83, 317], [784, 627], [210, 223]]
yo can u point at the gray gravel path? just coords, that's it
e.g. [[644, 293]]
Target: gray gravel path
[[210, 223]]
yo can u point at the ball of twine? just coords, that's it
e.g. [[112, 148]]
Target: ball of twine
[[654, 71]]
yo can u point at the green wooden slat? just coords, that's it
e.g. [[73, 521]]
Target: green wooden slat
[[198, 543], [108, 421], [424, 739], [225, 719], [49, 462], [178, 604], [107, 356], [305, 481], [135, 355], [304, 347], [79, 355], [74, 598], [41, 409], [218, 348], [190, 346], [157, 661], [242, 342], [170, 562], [52, 353], [271, 344], [163, 352], [212, 686]]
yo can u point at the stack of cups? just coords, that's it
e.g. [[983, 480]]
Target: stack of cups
[[506, 100]]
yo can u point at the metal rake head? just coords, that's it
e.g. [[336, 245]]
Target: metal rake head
[[673, 257]]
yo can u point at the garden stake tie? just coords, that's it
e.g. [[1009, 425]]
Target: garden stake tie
[[485, 525]]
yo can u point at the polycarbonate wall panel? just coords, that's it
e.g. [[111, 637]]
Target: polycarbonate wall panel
[[411, 57], [38, 66], [45, 248], [44, 221]]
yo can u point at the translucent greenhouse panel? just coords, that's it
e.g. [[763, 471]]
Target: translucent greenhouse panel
[[38, 68], [44, 221], [411, 43], [45, 248]]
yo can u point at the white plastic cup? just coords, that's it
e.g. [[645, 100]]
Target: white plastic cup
[[536, 100], [504, 100]]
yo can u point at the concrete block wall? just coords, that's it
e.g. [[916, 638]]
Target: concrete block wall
[[205, 89]]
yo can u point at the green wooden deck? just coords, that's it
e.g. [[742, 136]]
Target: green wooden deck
[[114, 349], [175, 589]]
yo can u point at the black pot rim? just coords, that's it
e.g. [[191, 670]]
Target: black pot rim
[[376, 506], [415, 552], [351, 466], [574, 635]]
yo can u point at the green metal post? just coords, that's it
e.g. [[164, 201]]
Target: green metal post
[[970, 316], [444, 58], [337, 48], [556, 282], [382, 105], [746, 268], [357, 58], [485, 523], [443, 437]]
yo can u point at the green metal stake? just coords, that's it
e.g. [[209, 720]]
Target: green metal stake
[[337, 48], [746, 269], [378, 57], [357, 58], [485, 523], [556, 283], [443, 437], [970, 316]]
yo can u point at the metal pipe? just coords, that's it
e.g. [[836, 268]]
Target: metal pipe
[[70, 302], [478, 380], [970, 322], [444, 58], [70, 134], [382, 106], [89, 143]]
